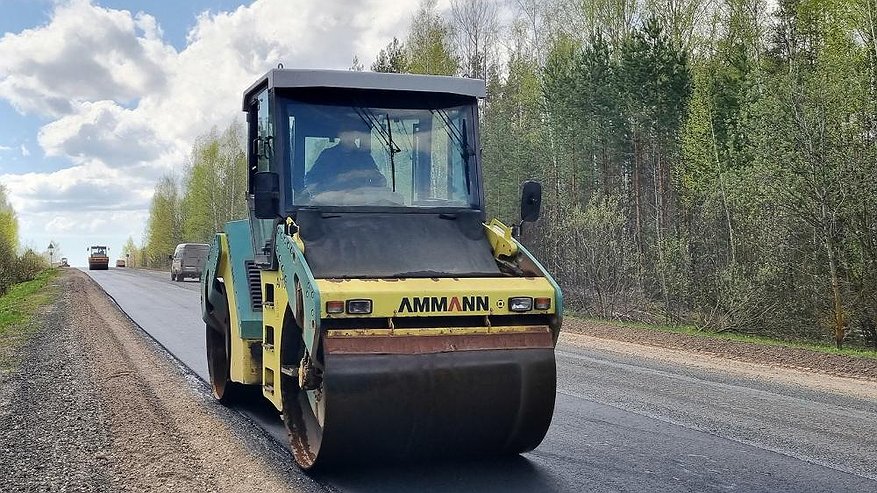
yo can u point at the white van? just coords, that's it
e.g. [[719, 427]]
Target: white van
[[188, 260]]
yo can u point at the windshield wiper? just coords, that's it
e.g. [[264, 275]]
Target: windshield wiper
[[393, 151], [460, 137], [386, 136]]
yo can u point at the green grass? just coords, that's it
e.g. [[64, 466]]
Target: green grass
[[733, 336], [17, 307]]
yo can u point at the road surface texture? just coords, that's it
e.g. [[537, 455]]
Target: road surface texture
[[628, 417]]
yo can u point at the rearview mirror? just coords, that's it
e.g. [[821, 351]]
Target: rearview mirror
[[266, 189], [531, 201]]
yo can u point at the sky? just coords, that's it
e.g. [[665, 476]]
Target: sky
[[99, 98]]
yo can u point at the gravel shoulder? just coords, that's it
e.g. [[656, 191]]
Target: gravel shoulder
[[779, 356], [96, 405]]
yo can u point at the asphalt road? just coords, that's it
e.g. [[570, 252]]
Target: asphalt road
[[621, 423]]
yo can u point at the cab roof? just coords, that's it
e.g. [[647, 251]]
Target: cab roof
[[350, 79]]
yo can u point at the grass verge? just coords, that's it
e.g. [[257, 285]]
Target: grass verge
[[17, 307], [733, 336]]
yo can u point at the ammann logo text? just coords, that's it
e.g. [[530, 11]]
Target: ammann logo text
[[425, 304]]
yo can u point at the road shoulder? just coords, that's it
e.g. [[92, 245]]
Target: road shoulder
[[772, 356], [860, 387], [97, 405]]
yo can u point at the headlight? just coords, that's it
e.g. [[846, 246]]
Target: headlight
[[521, 304], [359, 307], [334, 307]]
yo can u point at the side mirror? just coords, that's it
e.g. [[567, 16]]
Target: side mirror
[[266, 191], [531, 201], [170, 257]]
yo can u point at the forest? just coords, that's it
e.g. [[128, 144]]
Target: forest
[[707, 163], [16, 264]]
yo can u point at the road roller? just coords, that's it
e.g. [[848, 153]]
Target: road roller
[[98, 259], [367, 296]]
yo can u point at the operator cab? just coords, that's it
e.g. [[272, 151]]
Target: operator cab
[[98, 251], [380, 174], [360, 139]]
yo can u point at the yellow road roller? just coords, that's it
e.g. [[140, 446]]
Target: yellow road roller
[[367, 296]]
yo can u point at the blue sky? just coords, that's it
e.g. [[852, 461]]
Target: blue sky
[[99, 98]]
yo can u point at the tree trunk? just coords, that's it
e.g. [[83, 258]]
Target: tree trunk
[[840, 322], [659, 233], [727, 210], [638, 234]]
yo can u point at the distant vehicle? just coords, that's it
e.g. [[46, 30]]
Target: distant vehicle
[[98, 258], [188, 261], [120, 263], [64, 262]]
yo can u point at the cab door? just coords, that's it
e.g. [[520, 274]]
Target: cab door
[[260, 153]]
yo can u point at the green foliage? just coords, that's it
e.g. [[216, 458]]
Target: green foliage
[[513, 142], [14, 268], [606, 269], [8, 221], [713, 167], [17, 305], [8, 242], [213, 192], [429, 45], [164, 228], [215, 188], [134, 255], [427, 50], [392, 59]]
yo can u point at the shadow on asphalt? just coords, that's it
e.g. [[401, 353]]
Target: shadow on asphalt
[[508, 474]]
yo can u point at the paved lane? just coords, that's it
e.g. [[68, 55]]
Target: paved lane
[[621, 423]]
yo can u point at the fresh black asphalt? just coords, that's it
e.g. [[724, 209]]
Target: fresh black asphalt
[[621, 423]]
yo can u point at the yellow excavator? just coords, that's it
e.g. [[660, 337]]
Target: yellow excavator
[[367, 297]]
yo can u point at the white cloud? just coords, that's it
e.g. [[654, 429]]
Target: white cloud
[[104, 130], [85, 53], [84, 188], [119, 94], [124, 106], [5, 148]]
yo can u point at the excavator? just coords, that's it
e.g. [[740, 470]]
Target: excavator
[[367, 297]]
